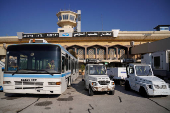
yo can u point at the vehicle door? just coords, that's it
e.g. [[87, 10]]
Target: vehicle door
[[86, 76], [132, 77]]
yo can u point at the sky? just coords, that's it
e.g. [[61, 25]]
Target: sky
[[39, 16]]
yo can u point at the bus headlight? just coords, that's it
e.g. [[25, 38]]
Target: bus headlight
[[6, 82]]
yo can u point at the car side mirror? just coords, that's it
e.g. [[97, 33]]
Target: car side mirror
[[131, 71]]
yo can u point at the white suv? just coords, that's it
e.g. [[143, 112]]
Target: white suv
[[96, 79]]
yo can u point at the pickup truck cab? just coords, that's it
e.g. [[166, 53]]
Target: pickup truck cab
[[141, 79], [96, 79]]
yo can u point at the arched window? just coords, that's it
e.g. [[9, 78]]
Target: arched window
[[122, 53], [112, 54], [80, 54], [91, 53], [101, 54]]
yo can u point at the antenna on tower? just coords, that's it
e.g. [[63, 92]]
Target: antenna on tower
[[102, 22], [69, 6]]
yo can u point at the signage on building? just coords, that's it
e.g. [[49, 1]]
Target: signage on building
[[79, 34], [105, 34], [41, 35], [92, 61], [127, 60], [65, 34], [92, 34]]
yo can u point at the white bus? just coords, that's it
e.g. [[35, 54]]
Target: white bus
[[38, 68]]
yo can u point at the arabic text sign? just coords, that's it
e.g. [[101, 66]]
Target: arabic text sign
[[41, 35], [105, 34], [79, 34], [92, 34]]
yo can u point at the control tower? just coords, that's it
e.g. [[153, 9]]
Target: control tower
[[68, 20]]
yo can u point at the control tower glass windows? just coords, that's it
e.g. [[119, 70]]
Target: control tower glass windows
[[65, 17], [60, 18], [72, 17]]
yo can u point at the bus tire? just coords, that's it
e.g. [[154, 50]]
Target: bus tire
[[90, 91]]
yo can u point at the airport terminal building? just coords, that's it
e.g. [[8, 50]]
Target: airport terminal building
[[113, 47]]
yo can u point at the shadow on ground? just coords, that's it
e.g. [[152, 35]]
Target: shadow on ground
[[11, 96]]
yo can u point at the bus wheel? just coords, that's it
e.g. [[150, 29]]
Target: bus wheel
[[90, 91]]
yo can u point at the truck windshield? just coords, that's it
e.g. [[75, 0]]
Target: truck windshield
[[143, 70], [97, 70], [33, 58]]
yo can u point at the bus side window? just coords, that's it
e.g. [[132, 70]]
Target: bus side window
[[75, 66], [63, 64], [67, 62]]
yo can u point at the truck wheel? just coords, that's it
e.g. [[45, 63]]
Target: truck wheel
[[90, 91], [143, 93], [112, 92], [127, 86]]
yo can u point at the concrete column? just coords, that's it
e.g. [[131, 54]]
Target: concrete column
[[116, 52], [96, 52], [106, 53], [85, 53], [75, 50], [128, 52]]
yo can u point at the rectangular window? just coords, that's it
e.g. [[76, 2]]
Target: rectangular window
[[75, 66], [69, 62], [65, 17], [157, 62], [72, 18], [66, 62], [23, 61], [63, 64]]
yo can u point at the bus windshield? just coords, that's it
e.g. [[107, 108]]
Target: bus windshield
[[34, 58], [97, 70]]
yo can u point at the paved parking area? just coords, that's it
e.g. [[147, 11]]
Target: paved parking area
[[76, 100]]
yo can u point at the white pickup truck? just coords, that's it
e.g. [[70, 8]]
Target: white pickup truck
[[141, 79], [96, 79]]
